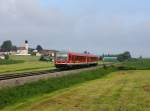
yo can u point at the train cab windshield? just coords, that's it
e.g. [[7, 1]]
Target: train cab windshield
[[62, 56]]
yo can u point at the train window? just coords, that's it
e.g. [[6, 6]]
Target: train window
[[80, 58], [70, 57], [62, 56], [92, 59]]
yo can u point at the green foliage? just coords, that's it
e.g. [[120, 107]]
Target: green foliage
[[45, 58], [7, 62], [17, 94], [124, 56], [7, 46], [30, 51], [6, 56], [39, 48], [126, 68], [14, 48]]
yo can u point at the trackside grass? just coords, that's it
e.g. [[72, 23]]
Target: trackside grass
[[19, 94], [118, 91]]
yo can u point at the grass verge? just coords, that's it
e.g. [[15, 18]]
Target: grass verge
[[10, 96], [119, 91]]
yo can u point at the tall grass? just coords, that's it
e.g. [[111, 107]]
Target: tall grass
[[17, 94]]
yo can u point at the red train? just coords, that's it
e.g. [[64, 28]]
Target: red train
[[70, 59]]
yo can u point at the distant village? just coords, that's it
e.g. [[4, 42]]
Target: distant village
[[8, 49]]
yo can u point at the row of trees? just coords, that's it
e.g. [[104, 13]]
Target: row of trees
[[120, 57], [8, 46], [124, 56]]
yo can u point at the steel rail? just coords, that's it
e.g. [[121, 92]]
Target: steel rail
[[26, 74]]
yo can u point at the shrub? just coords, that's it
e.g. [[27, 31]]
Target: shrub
[[6, 56], [126, 68], [45, 58]]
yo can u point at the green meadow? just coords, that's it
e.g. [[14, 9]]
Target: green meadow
[[112, 91], [24, 64], [10, 96], [140, 64], [102, 89]]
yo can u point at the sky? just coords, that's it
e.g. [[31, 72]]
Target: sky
[[97, 26]]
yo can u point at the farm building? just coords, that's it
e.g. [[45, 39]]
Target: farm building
[[110, 59]]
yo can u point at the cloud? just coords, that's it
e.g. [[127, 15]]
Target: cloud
[[76, 26], [27, 18]]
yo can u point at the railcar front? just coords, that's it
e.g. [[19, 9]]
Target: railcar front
[[61, 60], [73, 60]]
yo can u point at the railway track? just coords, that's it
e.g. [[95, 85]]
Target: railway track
[[27, 74]]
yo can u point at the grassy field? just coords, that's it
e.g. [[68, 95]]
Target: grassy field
[[19, 94], [97, 90], [10, 61], [31, 63], [141, 64], [118, 91]]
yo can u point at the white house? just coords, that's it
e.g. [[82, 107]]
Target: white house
[[2, 55], [24, 49]]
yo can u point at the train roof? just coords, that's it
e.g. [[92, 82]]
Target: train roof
[[79, 54], [82, 54]]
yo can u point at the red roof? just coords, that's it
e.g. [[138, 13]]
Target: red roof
[[21, 48]]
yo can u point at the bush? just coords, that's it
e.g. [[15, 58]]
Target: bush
[[7, 57], [124, 56], [126, 68], [46, 58]]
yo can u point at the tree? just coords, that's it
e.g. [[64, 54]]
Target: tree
[[127, 55], [30, 51], [39, 48], [85, 52], [7, 46], [124, 56], [6, 56], [14, 48]]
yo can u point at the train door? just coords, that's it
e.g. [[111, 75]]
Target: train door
[[73, 58]]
